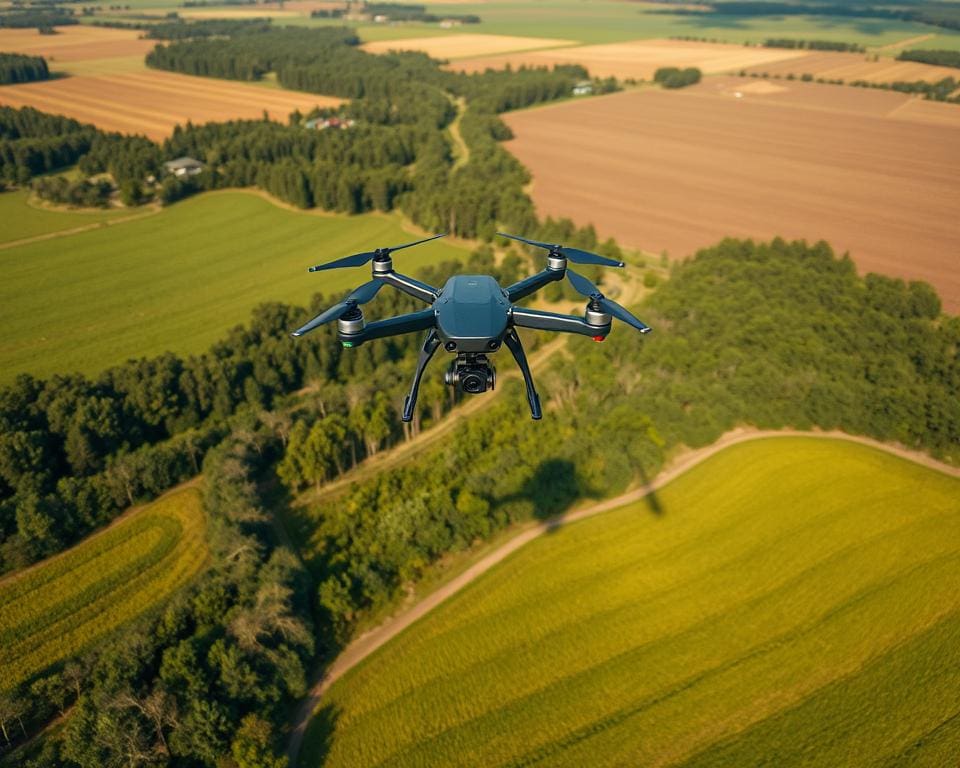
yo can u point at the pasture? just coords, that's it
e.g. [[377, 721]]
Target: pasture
[[864, 170], [60, 607], [20, 218], [109, 85], [790, 601], [177, 280]]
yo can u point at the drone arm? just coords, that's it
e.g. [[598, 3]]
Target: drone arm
[[430, 345], [392, 326], [533, 283], [512, 340], [551, 321], [409, 286]]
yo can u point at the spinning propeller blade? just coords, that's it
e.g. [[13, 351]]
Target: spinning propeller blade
[[359, 259], [575, 255], [585, 288], [361, 295]]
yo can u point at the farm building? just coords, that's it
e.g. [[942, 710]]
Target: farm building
[[183, 166], [584, 88]]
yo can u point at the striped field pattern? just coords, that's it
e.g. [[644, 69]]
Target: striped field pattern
[[68, 603], [790, 601]]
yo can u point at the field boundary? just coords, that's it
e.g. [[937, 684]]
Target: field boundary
[[370, 641]]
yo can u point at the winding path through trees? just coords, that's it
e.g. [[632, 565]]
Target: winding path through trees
[[370, 641]]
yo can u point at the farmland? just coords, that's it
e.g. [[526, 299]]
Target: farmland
[[608, 21], [677, 171], [855, 66], [788, 600], [638, 59], [22, 220], [68, 603], [176, 280], [109, 85]]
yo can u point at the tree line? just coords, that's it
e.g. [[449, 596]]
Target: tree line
[[19, 68], [937, 58], [813, 45]]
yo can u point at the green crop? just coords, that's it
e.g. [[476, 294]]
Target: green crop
[[66, 604], [790, 601]]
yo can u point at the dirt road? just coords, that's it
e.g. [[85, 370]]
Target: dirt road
[[369, 642]]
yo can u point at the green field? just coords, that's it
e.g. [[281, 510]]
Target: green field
[[63, 605], [607, 22], [20, 220], [175, 281], [791, 601]]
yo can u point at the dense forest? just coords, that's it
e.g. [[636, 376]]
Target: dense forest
[[18, 68], [44, 17]]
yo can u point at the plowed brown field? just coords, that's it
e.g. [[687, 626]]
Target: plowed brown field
[[856, 66], [637, 59], [680, 170], [112, 89]]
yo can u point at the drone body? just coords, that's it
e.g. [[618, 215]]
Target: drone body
[[471, 316]]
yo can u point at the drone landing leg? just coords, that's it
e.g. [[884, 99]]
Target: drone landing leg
[[430, 345], [512, 340]]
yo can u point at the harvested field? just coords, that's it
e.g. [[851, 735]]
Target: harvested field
[[76, 43], [152, 102], [110, 87], [639, 58], [856, 66], [464, 46], [678, 171]]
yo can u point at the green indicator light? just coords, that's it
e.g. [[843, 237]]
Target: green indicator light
[[347, 344]]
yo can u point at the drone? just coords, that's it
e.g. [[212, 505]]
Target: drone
[[471, 316]]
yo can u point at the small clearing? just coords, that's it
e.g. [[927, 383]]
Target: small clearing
[[465, 45]]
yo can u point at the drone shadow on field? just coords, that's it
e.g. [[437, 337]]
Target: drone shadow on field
[[651, 498], [550, 490]]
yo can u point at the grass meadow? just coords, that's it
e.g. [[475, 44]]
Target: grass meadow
[[789, 602], [174, 281], [20, 220], [57, 608]]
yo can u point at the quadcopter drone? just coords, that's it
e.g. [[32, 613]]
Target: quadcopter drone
[[471, 315]]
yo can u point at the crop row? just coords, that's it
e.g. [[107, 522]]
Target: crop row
[[774, 572], [71, 602]]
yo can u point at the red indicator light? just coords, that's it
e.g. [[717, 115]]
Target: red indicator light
[[599, 338]]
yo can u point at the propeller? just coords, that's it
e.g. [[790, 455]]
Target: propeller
[[361, 295], [359, 259], [588, 289], [573, 254]]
